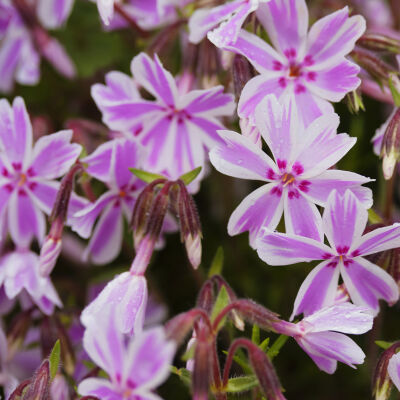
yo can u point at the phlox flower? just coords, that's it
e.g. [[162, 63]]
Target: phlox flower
[[19, 274], [311, 65], [27, 182], [109, 163], [298, 178], [135, 366], [227, 19], [176, 128], [321, 335], [344, 221], [21, 47]]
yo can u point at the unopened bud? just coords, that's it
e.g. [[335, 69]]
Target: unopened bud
[[379, 42], [189, 225], [40, 384], [51, 248], [391, 145], [377, 68], [153, 223], [242, 72], [20, 390], [381, 383]]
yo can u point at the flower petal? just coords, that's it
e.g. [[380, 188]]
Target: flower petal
[[105, 243], [155, 78], [261, 208], [322, 346], [286, 22], [344, 220], [148, 359], [53, 13], [257, 51], [98, 387], [302, 216], [283, 249], [53, 154], [367, 283], [322, 147], [279, 125], [322, 185], [99, 161], [334, 36], [345, 318], [241, 158], [394, 370], [317, 291], [380, 239]]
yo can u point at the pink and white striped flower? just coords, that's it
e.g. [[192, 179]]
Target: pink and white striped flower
[[321, 335], [135, 366], [311, 65], [28, 185], [176, 128], [344, 221], [222, 23], [297, 180]]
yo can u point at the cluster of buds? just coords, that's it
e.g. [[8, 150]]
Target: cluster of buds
[[151, 207], [206, 320]]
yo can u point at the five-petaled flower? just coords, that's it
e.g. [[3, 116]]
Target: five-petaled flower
[[298, 179], [135, 366], [344, 221], [176, 128], [27, 183], [311, 65]]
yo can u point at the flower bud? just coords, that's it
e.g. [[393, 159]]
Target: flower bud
[[355, 102], [377, 68], [18, 330], [19, 391], [189, 225], [379, 42], [40, 384], [52, 245], [261, 365], [381, 383], [391, 145]]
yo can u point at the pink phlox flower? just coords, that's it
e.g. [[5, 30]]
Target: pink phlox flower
[[28, 185], [321, 335], [177, 129], [344, 221], [135, 366], [394, 370], [222, 23], [311, 65], [19, 274], [19, 54], [298, 178], [110, 163]]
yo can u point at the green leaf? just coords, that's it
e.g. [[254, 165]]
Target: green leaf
[[190, 176], [145, 176], [184, 375], [217, 263], [373, 217], [221, 302], [394, 85], [273, 351], [382, 344], [54, 359], [255, 335], [241, 383]]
